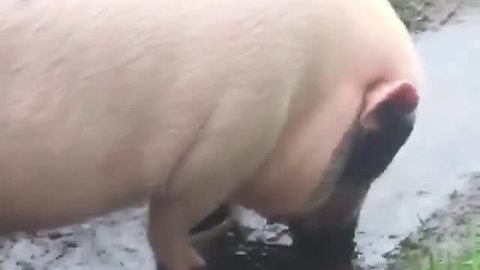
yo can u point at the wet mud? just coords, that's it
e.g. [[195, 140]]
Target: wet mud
[[234, 253], [448, 228]]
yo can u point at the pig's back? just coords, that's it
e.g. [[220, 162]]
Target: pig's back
[[101, 99]]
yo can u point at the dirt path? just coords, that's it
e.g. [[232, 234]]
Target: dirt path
[[420, 15], [449, 58], [447, 231]]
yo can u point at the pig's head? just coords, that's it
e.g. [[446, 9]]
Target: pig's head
[[382, 127]]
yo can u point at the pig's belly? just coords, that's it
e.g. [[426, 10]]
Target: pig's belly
[[36, 194], [58, 179]]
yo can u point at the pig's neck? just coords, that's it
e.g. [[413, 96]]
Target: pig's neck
[[302, 157]]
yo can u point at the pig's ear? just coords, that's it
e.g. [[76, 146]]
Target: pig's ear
[[397, 99]]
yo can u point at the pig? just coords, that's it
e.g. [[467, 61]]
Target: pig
[[287, 107]]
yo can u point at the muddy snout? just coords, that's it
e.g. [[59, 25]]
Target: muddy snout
[[325, 243]]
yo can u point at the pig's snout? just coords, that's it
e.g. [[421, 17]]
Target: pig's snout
[[326, 245], [326, 235]]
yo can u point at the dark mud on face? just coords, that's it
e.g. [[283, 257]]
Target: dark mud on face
[[228, 245], [231, 252]]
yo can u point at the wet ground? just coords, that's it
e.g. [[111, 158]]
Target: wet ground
[[451, 231], [444, 147], [421, 15], [440, 159]]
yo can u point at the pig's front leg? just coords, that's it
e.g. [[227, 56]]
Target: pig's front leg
[[227, 150], [172, 216], [170, 220]]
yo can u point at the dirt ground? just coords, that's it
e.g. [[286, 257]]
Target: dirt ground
[[447, 231], [419, 15]]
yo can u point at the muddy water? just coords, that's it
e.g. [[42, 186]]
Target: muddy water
[[444, 146]]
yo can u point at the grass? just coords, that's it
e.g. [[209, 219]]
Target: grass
[[469, 261], [436, 258]]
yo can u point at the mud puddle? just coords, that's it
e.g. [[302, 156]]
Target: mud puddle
[[448, 233], [444, 146]]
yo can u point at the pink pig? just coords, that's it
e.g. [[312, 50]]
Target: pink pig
[[281, 106]]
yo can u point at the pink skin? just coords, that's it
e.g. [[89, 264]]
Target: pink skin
[[187, 105], [269, 204]]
